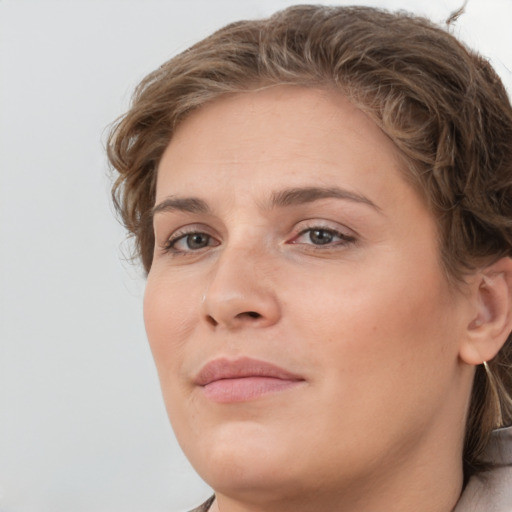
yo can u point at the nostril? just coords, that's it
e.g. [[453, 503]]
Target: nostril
[[253, 314], [211, 320]]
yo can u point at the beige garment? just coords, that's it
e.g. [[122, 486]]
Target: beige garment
[[205, 506], [491, 491], [486, 492]]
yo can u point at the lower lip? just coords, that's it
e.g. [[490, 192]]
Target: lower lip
[[245, 389]]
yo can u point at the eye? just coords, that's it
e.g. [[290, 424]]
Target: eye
[[321, 236], [190, 242]]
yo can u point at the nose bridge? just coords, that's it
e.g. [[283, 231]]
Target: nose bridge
[[241, 289]]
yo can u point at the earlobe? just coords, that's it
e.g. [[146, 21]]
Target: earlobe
[[491, 319]]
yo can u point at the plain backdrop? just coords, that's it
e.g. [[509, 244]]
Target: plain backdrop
[[82, 424]]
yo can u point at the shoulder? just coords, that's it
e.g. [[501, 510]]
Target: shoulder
[[491, 491]]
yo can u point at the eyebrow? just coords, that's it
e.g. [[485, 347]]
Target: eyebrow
[[303, 195], [183, 204], [288, 197]]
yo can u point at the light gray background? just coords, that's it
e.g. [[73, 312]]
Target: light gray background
[[82, 424]]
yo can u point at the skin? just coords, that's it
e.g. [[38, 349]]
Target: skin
[[368, 320]]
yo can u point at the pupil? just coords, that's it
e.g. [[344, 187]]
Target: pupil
[[320, 236], [197, 241]]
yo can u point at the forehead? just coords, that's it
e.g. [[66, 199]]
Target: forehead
[[274, 136]]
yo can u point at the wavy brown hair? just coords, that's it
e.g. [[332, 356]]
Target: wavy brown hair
[[442, 105]]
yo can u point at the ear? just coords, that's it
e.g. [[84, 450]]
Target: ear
[[491, 315]]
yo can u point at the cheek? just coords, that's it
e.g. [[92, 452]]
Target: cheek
[[169, 311], [379, 348], [373, 318]]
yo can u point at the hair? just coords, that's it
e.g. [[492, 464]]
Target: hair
[[442, 105]]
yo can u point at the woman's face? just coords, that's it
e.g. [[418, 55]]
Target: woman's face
[[303, 330]]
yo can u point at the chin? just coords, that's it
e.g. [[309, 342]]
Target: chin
[[244, 457]]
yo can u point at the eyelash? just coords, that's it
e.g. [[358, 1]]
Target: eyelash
[[344, 240], [170, 244]]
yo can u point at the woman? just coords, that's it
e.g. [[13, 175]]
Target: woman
[[322, 202]]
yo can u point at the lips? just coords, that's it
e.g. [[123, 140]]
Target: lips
[[244, 379]]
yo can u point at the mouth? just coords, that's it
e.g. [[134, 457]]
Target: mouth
[[244, 379]]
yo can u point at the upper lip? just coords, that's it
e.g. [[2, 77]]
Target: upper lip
[[224, 368]]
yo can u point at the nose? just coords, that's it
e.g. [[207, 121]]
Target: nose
[[241, 292]]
